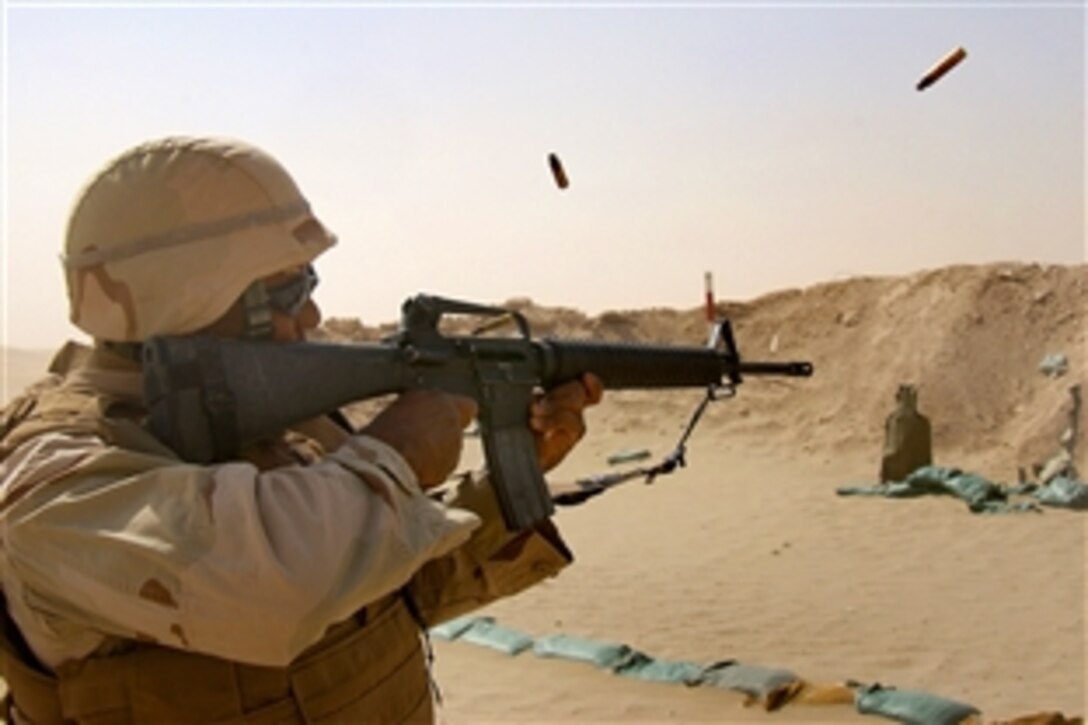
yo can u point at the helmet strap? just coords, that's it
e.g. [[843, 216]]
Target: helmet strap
[[258, 311]]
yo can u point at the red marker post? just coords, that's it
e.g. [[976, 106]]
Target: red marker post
[[711, 312]]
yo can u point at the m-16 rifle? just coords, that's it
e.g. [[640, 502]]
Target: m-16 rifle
[[207, 397]]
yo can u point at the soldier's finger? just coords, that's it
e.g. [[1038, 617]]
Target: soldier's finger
[[565, 421], [571, 394]]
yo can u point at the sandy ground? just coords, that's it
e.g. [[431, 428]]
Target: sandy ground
[[748, 553]]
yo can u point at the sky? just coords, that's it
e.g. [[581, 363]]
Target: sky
[[774, 145]]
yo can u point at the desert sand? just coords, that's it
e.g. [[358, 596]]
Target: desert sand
[[748, 553]]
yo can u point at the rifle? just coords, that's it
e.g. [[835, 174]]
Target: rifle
[[207, 397]]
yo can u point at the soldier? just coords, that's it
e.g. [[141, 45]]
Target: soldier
[[908, 441], [293, 585]]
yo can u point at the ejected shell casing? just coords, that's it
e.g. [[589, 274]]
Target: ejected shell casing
[[493, 324], [944, 65], [628, 456], [557, 171]]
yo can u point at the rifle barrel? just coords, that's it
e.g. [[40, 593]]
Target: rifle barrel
[[624, 366]]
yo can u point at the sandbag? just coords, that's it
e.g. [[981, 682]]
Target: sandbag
[[771, 687], [454, 628], [608, 655], [644, 667], [911, 707], [486, 632], [1063, 492]]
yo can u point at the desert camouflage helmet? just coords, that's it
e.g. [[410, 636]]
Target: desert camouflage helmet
[[171, 233]]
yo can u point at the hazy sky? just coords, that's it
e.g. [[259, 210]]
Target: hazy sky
[[775, 145]]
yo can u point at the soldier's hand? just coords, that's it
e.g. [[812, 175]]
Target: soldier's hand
[[556, 418], [427, 428]]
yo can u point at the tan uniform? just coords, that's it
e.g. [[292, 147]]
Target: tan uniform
[[113, 549]]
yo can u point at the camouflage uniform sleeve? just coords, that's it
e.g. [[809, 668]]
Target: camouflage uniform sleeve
[[494, 563], [226, 560]]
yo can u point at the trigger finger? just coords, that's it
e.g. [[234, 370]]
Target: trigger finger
[[570, 395]]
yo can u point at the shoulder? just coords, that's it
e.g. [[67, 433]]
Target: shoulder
[[59, 404]]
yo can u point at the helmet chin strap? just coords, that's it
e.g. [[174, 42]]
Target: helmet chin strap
[[258, 312]]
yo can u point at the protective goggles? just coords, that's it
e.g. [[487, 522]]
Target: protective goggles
[[291, 296]]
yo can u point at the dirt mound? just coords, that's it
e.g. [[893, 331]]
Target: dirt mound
[[971, 338]]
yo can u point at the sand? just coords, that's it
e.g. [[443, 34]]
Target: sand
[[748, 553]]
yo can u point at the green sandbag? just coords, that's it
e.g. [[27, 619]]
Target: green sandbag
[[933, 479], [485, 632], [607, 655], [644, 667], [911, 707], [982, 496], [454, 628], [969, 487], [752, 680], [621, 659], [1064, 492]]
